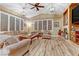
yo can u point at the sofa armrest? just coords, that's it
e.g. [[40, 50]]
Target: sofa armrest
[[19, 44]]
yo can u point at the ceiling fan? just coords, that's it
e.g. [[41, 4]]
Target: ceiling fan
[[37, 6]]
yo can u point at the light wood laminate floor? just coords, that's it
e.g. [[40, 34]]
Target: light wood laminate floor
[[53, 47]]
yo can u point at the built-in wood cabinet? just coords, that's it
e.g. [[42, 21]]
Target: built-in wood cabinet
[[71, 22], [74, 22]]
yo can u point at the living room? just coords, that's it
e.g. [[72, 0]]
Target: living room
[[34, 29]]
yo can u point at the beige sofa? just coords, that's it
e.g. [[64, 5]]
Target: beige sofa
[[12, 46], [46, 36]]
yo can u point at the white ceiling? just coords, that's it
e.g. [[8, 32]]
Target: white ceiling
[[58, 8]]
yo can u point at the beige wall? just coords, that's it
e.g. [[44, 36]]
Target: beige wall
[[55, 29], [29, 26]]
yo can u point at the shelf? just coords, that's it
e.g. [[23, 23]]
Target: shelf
[[77, 34], [77, 23]]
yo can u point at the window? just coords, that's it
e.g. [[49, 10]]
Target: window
[[45, 25], [56, 24], [40, 25], [35, 25], [12, 23], [17, 24], [49, 24], [9, 22], [21, 24], [4, 22]]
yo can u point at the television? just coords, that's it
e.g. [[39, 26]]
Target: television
[[75, 15]]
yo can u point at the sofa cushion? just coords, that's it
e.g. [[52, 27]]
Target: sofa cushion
[[19, 44], [46, 36], [11, 40]]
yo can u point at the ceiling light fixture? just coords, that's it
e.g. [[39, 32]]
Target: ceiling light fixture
[[52, 9]]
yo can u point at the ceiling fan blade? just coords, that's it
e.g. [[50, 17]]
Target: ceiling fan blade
[[31, 4], [41, 6], [37, 4], [32, 8], [37, 8]]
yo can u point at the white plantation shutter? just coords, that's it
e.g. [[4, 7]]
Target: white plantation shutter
[[35, 25], [4, 22], [44, 25], [49, 24], [12, 23], [40, 25], [17, 24], [21, 24]]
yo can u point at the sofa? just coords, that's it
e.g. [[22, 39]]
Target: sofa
[[46, 35], [13, 46]]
